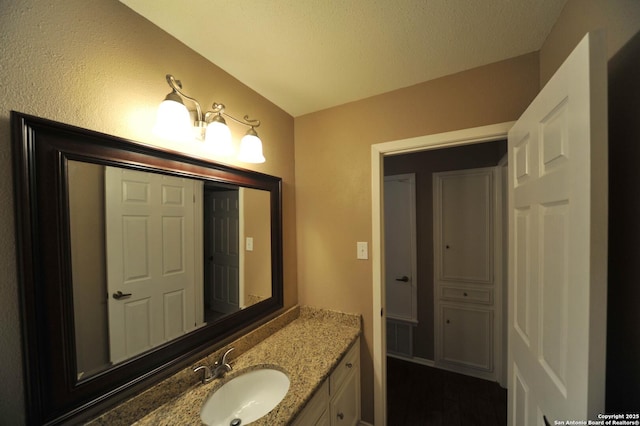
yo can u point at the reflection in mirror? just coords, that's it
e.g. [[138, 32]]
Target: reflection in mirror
[[155, 256]]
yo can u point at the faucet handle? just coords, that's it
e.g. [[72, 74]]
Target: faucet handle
[[207, 376], [224, 357]]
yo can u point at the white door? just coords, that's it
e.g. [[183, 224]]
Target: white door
[[151, 275], [558, 245], [400, 247]]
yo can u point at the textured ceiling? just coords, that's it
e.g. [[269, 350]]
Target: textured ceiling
[[308, 55]]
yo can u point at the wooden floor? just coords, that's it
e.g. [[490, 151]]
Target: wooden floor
[[425, 396]]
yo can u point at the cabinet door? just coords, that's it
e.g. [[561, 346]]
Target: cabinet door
[[324, 419], [315, 412], [344, 404], [467, 337], [464, 225]]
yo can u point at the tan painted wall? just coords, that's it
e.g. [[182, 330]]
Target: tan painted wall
[[88, 264], [257, 225], [98, 65], [620, 18], [333, 175]]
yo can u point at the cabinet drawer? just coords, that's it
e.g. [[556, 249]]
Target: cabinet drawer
[[312, 413], [473, 295], [349, 363]]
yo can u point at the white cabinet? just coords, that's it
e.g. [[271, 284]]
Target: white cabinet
[[467, 336], [315, 413], [468, 271], [337, 402]]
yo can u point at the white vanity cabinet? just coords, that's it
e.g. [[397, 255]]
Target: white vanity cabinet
[[337, 402]]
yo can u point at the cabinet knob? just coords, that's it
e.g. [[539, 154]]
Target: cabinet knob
[[349, 365], [465, 294], [448, 321], [340, 416]]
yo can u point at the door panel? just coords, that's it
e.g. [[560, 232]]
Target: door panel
[[557, 257]]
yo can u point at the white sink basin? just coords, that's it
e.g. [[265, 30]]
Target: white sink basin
[[247, 397]]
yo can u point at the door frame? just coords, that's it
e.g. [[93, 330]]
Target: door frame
[[474, 135]]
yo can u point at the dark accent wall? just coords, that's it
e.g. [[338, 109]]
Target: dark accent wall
[[623, 322], [423, 164]]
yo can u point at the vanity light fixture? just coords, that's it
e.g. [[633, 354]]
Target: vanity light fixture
[[173, 121]]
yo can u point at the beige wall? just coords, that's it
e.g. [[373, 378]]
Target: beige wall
[[333, 175], [88, 264], [257, 225], [620, 19], [98, 65]]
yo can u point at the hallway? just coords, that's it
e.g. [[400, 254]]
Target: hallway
[[425, 396]]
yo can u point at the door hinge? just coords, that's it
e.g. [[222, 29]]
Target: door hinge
[[381, 312]]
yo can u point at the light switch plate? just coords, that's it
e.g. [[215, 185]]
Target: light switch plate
[[249, 244], [363, 250]]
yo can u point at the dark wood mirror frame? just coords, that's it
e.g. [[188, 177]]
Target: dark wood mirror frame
[[41, 149]]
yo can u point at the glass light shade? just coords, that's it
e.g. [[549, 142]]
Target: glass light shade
[[218, 138], [251, 148], [173, 121]]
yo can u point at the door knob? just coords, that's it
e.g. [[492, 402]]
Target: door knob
[[120, 295], [404, 279]]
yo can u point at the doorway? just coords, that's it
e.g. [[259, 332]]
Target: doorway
[[378, 154], [425, 167], [222, 251]]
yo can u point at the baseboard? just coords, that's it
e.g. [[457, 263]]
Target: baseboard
[[414, 359], [363, 423]]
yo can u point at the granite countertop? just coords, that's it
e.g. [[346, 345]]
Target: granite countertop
[[307, 350]]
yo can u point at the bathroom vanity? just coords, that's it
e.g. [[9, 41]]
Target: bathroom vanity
[[319, 351], [337, 402]]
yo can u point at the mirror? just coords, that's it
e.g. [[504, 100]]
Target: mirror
[[145, 245], [134, 262]]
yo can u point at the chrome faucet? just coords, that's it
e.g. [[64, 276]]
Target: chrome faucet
[[221, 368]]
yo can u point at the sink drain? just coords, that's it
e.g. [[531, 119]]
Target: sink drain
[[235, 422]]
